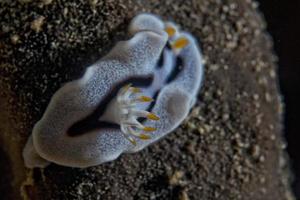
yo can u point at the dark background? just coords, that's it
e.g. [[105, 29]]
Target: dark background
[[283, 20]]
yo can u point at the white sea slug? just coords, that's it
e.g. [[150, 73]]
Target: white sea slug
[[136, 94]]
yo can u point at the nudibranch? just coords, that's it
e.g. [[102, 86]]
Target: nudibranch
[[136, 94]]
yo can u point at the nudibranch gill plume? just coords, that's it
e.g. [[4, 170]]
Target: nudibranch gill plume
[[136, 94]]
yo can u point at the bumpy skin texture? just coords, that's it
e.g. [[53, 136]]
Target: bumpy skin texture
[[137, 57]]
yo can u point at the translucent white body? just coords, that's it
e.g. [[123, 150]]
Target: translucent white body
[[76, 100]]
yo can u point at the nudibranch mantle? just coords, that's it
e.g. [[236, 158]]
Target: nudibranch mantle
[[136, 94]]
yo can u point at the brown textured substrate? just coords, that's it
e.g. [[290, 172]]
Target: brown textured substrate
[[230, 147]]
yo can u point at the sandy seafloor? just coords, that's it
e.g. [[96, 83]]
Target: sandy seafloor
[[230, 146]]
